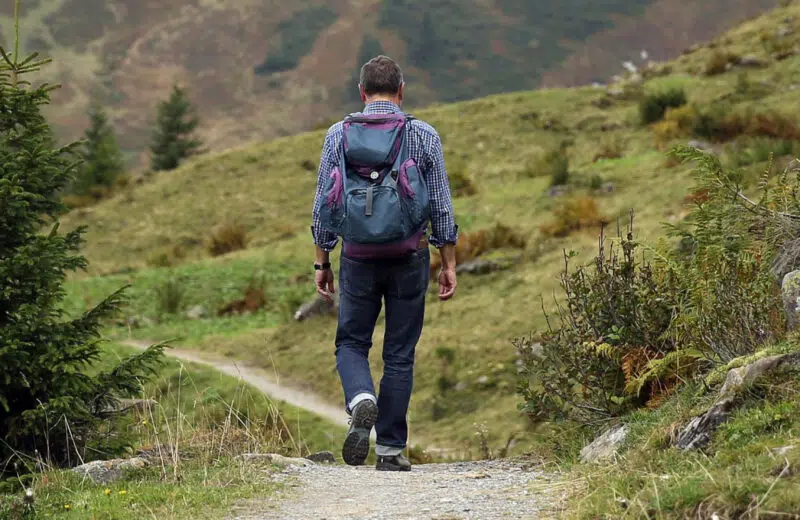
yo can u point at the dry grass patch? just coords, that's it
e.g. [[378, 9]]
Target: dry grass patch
[[227, 238]]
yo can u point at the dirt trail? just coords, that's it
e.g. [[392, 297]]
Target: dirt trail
[[457, 491], [260, 379]]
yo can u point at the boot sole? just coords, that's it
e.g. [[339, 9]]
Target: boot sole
[[391, 467], [356, 444]]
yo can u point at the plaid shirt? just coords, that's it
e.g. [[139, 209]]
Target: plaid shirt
[[425, 147]]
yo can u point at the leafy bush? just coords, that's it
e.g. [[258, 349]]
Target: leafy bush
[[53, 409], [631, 328], [461, 185], [612, 328], [227, 238], [654, 105], [575, 214]]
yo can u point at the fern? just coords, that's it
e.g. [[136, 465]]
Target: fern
[[671, 365]]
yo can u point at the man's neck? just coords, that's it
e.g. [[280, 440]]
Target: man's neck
[[376, 99]]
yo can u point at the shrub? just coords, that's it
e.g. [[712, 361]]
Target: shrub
[[226, 238], [575, 214], [461, 185], [721, 124], [552, 163], [478, 243], [54, 400], [654, 105], [631, 330], [758, 150], [167, 257], [612, 327], [610, 148], [718, 62], [169, 296]]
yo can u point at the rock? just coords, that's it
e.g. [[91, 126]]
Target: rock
[[608, 187], [616, 91], [136, 322], [317, 307], [557, 191], [750, 62], [198, 312], [697, 433], [783, 31], [272, 459], [606, 446], [106, 471], [782, 452], [790, 289], [461, 386], [479, 266], [700, 145], [742, 377], [483, 380], [323, 457], [126, 405]]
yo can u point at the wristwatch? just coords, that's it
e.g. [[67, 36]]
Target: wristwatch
[[326, 265]]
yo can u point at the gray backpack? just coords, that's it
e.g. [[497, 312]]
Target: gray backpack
[[376, 193]]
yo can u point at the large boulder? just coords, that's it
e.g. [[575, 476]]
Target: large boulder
[[106, 471], [606, 447]]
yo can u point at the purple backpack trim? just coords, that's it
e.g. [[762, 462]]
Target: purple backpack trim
[[372, 251]]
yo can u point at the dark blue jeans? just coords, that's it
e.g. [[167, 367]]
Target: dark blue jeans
[[364, 285]]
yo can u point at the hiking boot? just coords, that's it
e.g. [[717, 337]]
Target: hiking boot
[[393, 463], [356, 444]]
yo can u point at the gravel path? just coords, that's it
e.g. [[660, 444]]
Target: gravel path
[[463, 491]]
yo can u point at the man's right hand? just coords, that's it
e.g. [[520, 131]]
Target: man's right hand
[[324, 282], [447, 284]]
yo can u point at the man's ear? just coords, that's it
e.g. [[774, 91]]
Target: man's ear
[[401, 92], [362, 93]]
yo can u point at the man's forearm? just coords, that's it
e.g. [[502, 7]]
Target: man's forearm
[[323, 256], [448, 253]]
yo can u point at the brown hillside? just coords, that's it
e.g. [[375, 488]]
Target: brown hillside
[[260, 69]]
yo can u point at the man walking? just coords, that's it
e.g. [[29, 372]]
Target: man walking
[[381, 179]]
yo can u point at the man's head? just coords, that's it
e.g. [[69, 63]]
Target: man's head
[[381, 78]]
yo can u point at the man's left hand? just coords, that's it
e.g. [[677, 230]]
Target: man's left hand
[[324, 282]]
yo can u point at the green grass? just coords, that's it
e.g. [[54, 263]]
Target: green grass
[[494, 141], [203, 491], [207, 419], [738, 472]]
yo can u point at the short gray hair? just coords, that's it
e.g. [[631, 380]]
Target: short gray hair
[[381, 75]]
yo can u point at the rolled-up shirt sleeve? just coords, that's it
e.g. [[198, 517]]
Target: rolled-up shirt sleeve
[[444, 229], [322, 237]]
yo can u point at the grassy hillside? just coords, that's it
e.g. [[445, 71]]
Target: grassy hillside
[[493, 145], [265, 69]]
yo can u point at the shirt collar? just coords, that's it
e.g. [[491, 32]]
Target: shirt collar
[[381, 107]]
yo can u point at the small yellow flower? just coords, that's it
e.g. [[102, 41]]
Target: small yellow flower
[[66, 506], [108, 492], [144, 423], [123, 492]]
